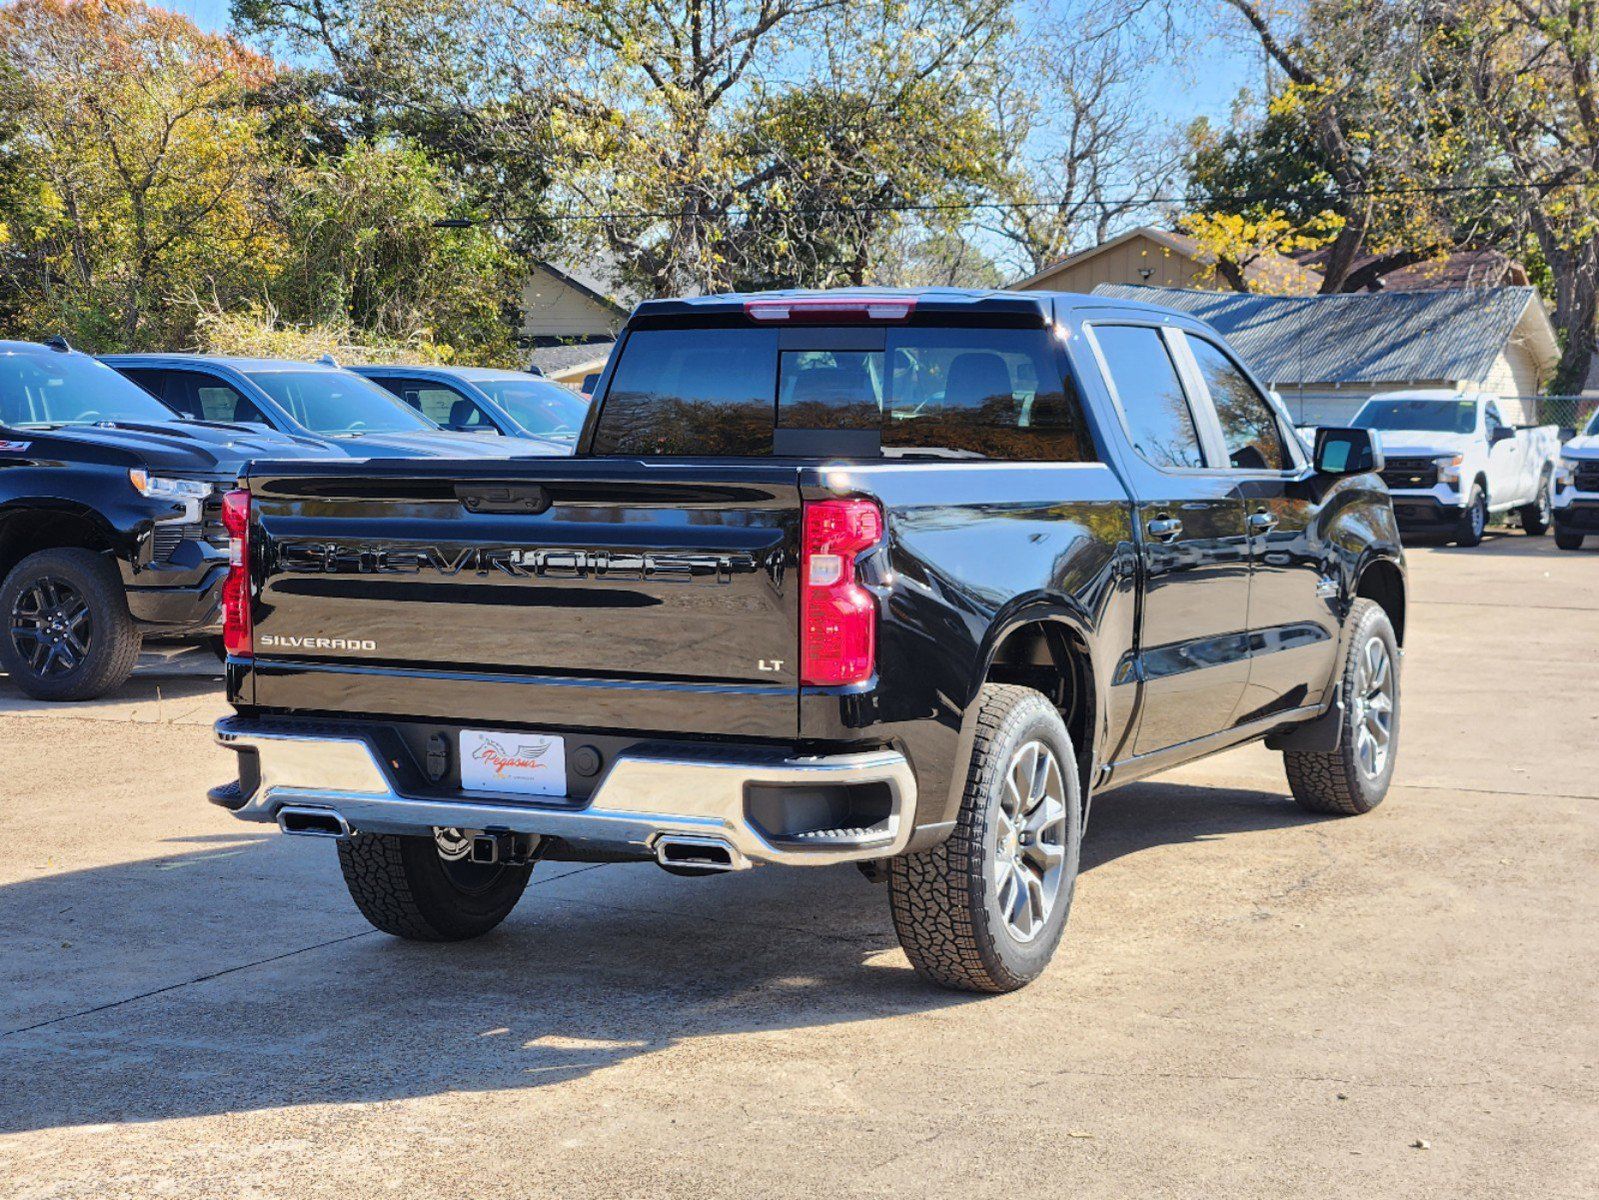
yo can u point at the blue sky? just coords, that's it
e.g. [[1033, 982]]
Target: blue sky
[[1226, 66]]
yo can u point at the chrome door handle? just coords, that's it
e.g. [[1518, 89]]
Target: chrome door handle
[[1165, 529], [1262, 522]]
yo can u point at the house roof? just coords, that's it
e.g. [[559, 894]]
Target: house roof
[[1368, 337], [1276, 271], [554, 360]]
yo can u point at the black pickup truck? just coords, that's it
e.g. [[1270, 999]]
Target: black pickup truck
[[895, 579]]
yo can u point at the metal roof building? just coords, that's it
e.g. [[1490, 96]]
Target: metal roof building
[[1326, 354]]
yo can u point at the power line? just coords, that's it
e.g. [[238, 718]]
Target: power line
[[1121, 203]]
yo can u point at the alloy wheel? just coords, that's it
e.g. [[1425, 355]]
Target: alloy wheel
[[51, 627], [1030, 842], [1374, 707]]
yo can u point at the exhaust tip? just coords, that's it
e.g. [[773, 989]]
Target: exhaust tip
[[313, 822], [697, 855]]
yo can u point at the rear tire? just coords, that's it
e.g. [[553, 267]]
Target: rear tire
[[405, 887], [984, 910], [1539, 515], [1354, 778], [1567, 540], [67, 633], [1474, 520]]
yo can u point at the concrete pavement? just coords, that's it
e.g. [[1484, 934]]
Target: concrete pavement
[[1250, 1001]]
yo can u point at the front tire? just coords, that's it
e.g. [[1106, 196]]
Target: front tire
[[1474, 520], [68, 634], [1566, 539], [1539, 515], [406, 887], [1354, 778], [984, 910]]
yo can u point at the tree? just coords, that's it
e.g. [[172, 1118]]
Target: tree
[[765, 140], [1084, 153], [1526, 102], [367, 253], [135, 172], [438, 74]]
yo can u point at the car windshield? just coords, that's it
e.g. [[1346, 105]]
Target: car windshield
[[337, 402], [547, 409], [1593, 425], [1431, 416], [39, 388]]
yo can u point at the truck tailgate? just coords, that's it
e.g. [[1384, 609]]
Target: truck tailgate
[[592, 594]]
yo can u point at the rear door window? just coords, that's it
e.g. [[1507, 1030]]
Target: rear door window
[[1150, 394]]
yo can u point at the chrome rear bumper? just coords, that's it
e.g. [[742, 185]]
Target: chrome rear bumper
[[641, 800]]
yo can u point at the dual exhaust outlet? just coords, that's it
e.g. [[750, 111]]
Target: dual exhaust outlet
[[680, 854]]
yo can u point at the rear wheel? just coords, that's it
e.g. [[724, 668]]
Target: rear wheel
[[68, 634], [1474, 520], [1567, 539], [1354, 778], [984, 910], [425, 888], [1539, 515]]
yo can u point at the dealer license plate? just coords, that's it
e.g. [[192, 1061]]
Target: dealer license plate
[[524, 764]]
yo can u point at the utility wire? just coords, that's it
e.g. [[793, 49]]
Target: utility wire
[[1126, 202]]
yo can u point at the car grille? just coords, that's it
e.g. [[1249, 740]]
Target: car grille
[[1586, 477], [1410, 473], [168, 536]]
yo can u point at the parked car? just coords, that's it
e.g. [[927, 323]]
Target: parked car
[[481, 400], [314, 400], [110, 519], [890, 579], [1455, 463], [1576, 510]]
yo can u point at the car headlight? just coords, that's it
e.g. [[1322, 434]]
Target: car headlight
[[1448, 468], [158, 487]]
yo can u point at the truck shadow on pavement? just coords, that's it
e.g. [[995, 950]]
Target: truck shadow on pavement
[[235, 975]]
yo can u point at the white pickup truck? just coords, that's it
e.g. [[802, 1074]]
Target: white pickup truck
[[1577, 488], [1454, 463]]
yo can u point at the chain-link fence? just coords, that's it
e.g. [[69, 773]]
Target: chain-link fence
[[1568, 412]]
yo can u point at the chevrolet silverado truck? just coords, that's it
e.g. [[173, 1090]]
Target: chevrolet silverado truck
[[1576, 510], [110, 519], [895, 579], [1454, 463]]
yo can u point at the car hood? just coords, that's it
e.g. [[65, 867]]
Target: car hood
[[442, 443], [1408, 443], [1586, 447], [181, 448]]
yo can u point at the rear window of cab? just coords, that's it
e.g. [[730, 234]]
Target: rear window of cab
[[851, 391]]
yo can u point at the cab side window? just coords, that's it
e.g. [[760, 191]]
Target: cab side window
[[440, 404], [1145, 380], [1249, 426], [206, 398]]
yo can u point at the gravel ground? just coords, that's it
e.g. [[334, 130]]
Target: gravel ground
[[1250, 1001]]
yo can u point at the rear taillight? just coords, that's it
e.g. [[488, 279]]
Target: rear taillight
[[838, 617], [238, 633]]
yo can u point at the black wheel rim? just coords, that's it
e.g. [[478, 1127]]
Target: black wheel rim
[[51, 627], [470, 878]]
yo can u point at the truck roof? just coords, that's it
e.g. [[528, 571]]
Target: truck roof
[[943, 301]]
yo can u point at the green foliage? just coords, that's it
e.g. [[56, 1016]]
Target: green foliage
[[365, 250]]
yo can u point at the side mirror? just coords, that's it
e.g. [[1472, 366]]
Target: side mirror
[[1500, 433], [1567, 432], [590, 382], [1348, 451]]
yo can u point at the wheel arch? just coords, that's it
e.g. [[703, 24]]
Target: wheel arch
[[1383, 581], [51, 525], [1048, 647]]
